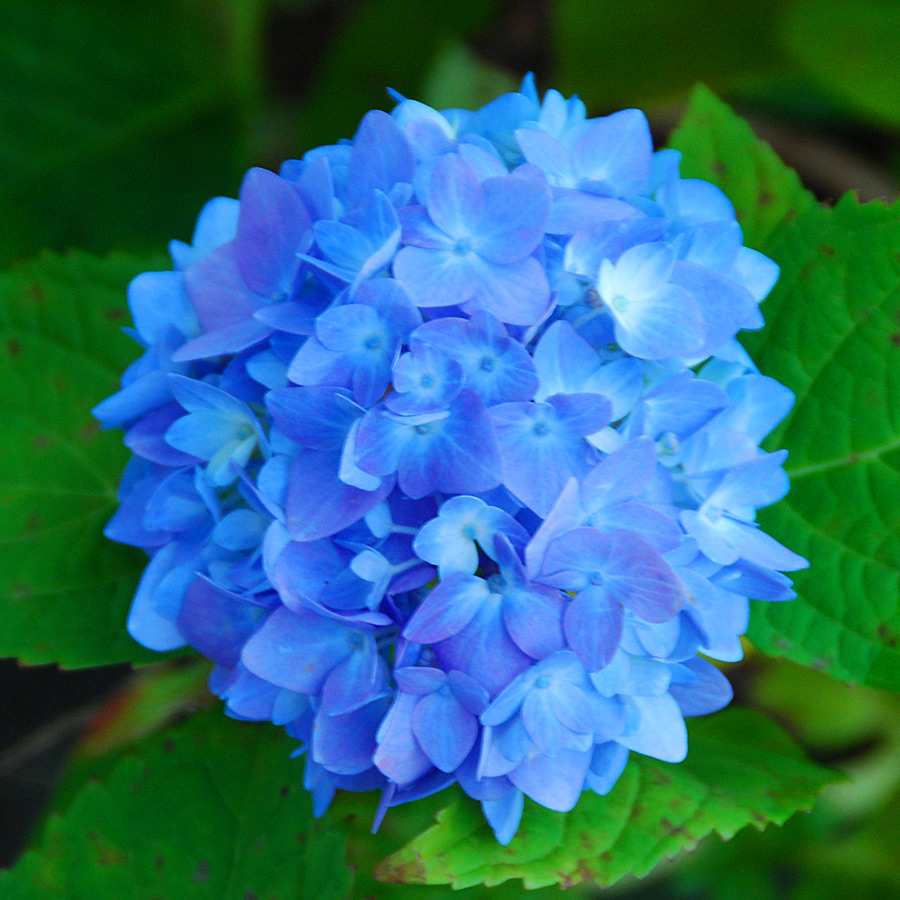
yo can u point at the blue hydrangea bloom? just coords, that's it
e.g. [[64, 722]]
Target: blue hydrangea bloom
[[446, 455]]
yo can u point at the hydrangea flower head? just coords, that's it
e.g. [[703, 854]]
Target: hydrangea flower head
[[446, 455]]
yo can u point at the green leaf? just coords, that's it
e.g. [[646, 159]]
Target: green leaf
[[851, 49], [214, 808], [719, 146], [833, 336], [741, 770], [64, 589], [638, 52], [118, 123]]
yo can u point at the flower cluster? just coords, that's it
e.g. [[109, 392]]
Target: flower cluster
[[446, 454]]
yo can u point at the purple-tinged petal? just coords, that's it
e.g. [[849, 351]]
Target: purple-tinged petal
[[659, 730], [217, 623], [575, 210], [384, 437], [533, 619], [344, 744], [514, 221], [273, 226], [616, 150], [419, 680], [710, 691], [517, 294], [448, 609], [290, 317], [504, 815], [218, 293], [381, 157], [485, 637], [356, 679], [583, 414], [314, 417], [303, 571], [539, 452], [297, 650], [473, 697], [318, 503], [446, 732], [229, 339], [496, 367], [593, 626], [399, 755], [435, 277], [624, 475], [417, 230], [555, 782], [146, 438]]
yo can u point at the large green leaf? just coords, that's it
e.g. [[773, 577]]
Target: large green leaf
[[741, 770], [851, 49], [833, 335], [212, 809], [120, 120], [64, 589], [719, 146]]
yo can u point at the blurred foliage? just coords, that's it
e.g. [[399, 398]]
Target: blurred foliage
[[119, 121]]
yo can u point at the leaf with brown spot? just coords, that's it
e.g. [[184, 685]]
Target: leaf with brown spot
[[830, 322], [188, 829], [829, 338], [740, 767], [64, 589], [720, 147]]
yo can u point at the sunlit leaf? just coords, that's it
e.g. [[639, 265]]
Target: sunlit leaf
[[719, 146], [741, 770], [833, 336]]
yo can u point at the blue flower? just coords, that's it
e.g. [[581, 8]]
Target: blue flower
[[218, 428], [447, 455], [471, 245], [464, 526], [356, 343], [452, 450]]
